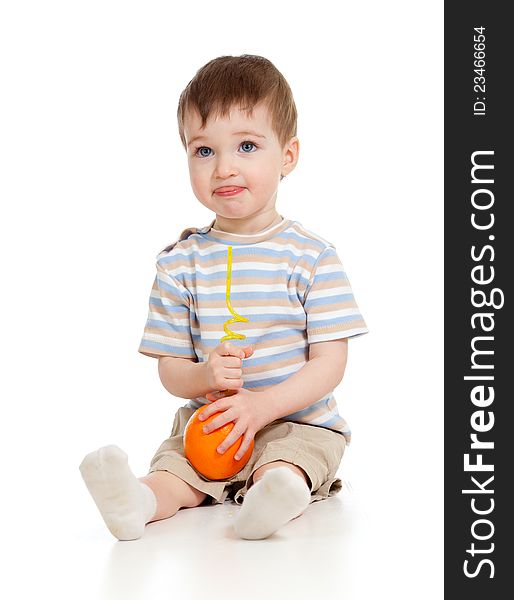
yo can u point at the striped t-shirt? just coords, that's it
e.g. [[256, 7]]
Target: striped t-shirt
[[288, 282]]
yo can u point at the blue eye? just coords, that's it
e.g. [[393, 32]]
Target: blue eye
[[203, 151], [247, 144], [200, 150]]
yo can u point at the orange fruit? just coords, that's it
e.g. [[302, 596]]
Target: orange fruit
[[200, 448]]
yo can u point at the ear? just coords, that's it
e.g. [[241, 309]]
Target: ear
[[290, 156]]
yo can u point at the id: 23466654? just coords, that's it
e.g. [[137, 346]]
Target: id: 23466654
[[479, 64]]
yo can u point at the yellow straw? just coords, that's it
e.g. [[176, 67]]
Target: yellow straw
[[231, 335]]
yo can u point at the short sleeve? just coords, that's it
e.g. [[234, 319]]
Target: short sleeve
[[330, 306], [167, 331]]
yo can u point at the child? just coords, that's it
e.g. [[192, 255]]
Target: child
[[237, 122]]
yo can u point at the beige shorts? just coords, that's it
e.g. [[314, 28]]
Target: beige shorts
[[316, 450]]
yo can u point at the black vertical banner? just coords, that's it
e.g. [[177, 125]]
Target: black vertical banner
[[479, 332]]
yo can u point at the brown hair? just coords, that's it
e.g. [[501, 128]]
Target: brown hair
[[239, 81]]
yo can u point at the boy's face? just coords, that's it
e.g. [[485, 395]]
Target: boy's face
[[226, 155]]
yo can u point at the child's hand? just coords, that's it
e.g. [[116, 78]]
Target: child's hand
[[247, 411], [224, 366]]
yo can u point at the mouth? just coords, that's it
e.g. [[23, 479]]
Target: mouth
[[229, 190]]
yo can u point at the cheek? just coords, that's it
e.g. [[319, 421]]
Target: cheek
[[267, 182], [264, 175], [198, 177], [200, 187]]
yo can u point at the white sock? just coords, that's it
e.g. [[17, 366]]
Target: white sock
[[125, 503], [279, 496]]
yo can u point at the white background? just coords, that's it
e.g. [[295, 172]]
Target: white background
[[94, 183]]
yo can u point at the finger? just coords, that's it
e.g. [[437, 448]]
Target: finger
[[232, 373], [233, 384], [223, 349], [230, 440], [232, 362], [228, 349], [224, 418], [212, 409], [229, 384], [248, 350], [218, 394], [247, 440]]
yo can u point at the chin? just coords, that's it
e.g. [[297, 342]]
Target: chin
[[233, 217], [237, 212]]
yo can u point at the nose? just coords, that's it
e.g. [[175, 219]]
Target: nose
[[225, 167]]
